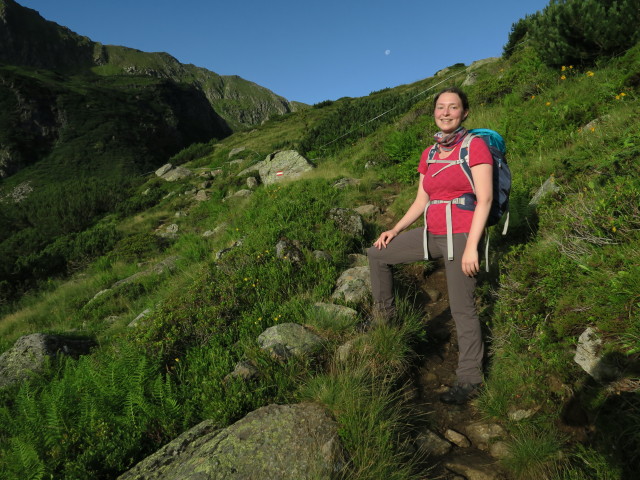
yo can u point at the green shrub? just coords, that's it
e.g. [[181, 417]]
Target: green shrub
[[573, 32]]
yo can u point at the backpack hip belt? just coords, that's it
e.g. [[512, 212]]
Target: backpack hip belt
[[464, 200]]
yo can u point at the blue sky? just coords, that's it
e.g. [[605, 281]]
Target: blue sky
[[304, 51]]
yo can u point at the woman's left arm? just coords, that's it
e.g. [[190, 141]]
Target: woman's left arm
[[483, 181]]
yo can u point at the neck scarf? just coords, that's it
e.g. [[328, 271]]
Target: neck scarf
[[448, 142]]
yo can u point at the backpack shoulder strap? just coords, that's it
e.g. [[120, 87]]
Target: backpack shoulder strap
[[464, 155], [432, 152]]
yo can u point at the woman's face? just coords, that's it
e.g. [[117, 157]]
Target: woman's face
[[449, 112]]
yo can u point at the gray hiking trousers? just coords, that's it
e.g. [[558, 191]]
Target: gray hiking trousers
[[408, 248]]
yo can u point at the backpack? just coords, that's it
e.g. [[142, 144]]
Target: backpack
[[501, 180]]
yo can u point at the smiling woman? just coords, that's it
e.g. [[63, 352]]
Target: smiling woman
[[450, 233]]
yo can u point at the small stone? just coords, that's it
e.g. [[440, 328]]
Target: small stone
[[433, 294], [457, 438], [499, 449], [430, 443]]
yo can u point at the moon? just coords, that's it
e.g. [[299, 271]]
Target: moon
[[387, 52]]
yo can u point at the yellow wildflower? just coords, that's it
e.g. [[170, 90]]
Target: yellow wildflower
[[622, 94], [617, 97], [563, 68], [593, 129], [614, 229], [590, 73], [532, 97], [570, 67], [563, 77], [548, 103]]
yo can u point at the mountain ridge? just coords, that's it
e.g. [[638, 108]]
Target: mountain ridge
[[29, 40]]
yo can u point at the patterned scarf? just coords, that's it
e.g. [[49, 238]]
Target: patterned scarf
[[448, 142]]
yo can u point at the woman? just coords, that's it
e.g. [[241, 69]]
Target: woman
[[439, 183]]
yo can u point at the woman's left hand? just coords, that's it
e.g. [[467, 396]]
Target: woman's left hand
[[470, 262]]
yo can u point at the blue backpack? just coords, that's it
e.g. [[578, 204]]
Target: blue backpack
[[501, 180], [501, 173]]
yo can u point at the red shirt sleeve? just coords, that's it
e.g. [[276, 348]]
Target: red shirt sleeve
[[479, 153]]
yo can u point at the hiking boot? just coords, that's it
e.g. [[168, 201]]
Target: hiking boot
[[460, 393]]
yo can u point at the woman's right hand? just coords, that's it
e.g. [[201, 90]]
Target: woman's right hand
[[384, 239]]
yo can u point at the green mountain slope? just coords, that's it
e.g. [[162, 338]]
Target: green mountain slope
[[80, 122]]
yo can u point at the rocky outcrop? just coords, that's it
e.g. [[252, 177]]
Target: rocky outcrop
[[29, 354], [589, 355], [170, 173], [289, 340], [284, 165], [284, 442], [353, 285], [347, 221]]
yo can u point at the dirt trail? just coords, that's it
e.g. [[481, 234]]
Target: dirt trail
[[435, 371]]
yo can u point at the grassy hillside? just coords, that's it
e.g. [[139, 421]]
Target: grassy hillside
[[571, 262]]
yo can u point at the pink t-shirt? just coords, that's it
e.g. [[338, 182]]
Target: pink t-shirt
[[450, 183]]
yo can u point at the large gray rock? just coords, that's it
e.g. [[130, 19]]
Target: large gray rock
[[333, 310], [347, 221], [163, 169], [482, 434], [354, 285], [589, 356], [176, 173], [474, 465], [289, 250], [283, 442], [289, 339], [431, 444], [547, 188], [29, 354], [284, 165]]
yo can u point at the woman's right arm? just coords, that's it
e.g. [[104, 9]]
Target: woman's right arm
[[415, 211]]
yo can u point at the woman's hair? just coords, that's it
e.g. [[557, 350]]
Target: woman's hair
[[457, 91]]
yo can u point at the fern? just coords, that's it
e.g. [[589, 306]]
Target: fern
[[28, 465]]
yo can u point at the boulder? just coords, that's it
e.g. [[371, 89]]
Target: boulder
[[547, 188], [201, 196], [29, 354], [457, 438], [252, 182], [431, 444], [347, 221], [334, 310], [474, 465], [284, 442], [346, 182], [483, 434], [289, 340], [589, 356], [354, 285], [177, 173], [163, 169], [289, 250], [284, 165], [244, 370], [367, 210]]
